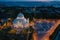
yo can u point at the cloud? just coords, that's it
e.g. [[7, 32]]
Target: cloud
[[42, 0]]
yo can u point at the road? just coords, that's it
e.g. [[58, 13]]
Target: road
[[46, 36]]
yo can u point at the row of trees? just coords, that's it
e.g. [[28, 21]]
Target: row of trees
[[34, 12]]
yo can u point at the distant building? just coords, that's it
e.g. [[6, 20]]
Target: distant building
[[20, 22]]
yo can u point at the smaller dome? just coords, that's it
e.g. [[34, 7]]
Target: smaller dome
[[20, 15], [9, 18]]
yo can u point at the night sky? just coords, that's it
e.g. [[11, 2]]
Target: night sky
[[30, 0]]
